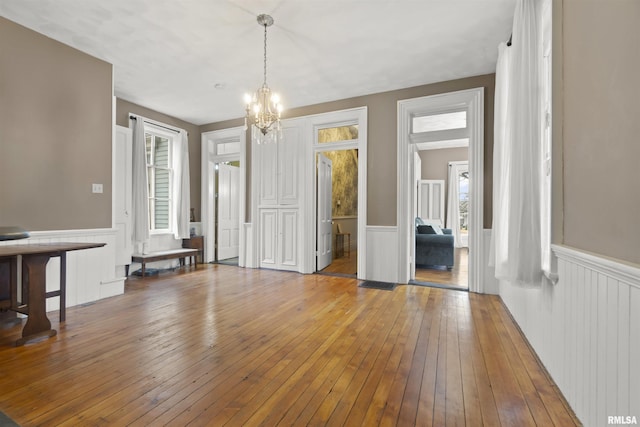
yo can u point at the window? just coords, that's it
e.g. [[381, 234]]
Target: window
[[338, 134], [463, 193], [160, 178], [440, 121]]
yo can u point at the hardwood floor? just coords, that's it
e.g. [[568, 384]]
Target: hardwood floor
[[344, 264], [223, 345], [457, 277]]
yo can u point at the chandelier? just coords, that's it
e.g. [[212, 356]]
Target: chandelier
[[264, 108]]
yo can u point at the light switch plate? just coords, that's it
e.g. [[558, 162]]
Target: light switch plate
[[96, 188]]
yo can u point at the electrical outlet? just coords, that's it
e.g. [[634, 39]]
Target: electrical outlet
[[96, 188]]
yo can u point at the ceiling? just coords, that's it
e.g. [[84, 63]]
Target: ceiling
[[195, 59]]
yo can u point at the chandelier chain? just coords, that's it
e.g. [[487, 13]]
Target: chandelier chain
[[265, 54]]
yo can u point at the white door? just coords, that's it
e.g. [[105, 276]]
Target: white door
[[123, 185], [431, 201], [228, 222], [324, 239], [416, 178]]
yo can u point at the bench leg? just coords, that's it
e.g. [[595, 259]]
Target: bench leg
[[142, 268]]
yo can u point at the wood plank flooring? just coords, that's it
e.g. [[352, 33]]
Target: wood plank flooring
[[223, 345], [344, 264], [457, 277]]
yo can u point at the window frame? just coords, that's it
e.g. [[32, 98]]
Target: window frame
[[157, 131]]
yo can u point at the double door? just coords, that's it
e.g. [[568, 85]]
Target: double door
[[279, 246], [279, 183]]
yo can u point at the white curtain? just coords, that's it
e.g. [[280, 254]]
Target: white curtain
[[453, 204], [516, 238], [140, 191], [181, 187], [499, 250]]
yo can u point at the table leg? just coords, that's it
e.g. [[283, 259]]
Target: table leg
[[37, 324], [63, 286]]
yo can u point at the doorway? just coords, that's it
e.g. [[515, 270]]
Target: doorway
[[341, 136], [223, 195], [337, 212], [442, 187], [227, 223], [420, 125]]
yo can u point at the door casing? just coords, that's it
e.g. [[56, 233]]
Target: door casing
[[473, 101], [211, 156]]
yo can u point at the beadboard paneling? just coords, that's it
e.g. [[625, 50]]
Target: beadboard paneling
[[586, 331], [90, 272], [382, 255]]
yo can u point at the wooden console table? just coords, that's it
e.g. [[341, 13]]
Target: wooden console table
[[34, 275], [195, 242]]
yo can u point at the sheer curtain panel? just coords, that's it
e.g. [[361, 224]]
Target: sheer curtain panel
[[140, 191], [516, 238], [453, 204], [181, 186]]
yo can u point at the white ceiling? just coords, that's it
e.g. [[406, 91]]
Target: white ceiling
[[194, 59]]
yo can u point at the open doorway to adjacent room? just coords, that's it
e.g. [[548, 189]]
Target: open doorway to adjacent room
[[339, 160], [227, 224], [337, 211], [223, 195], [442, 238], [440, 170]]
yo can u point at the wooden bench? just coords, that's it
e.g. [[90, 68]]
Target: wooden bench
[[180, 254]]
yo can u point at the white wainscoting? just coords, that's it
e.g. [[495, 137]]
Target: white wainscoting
[[490, 284], [382, 254], [90, 272], [586, 331]]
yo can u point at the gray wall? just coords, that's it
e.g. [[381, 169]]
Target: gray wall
[[435, 163], [382, 137], [55, 133], [601, 133]]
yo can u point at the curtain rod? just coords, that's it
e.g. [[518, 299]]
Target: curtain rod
[[157, 124]]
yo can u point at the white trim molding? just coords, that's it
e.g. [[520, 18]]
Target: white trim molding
[[618, 270], [473, 101]]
